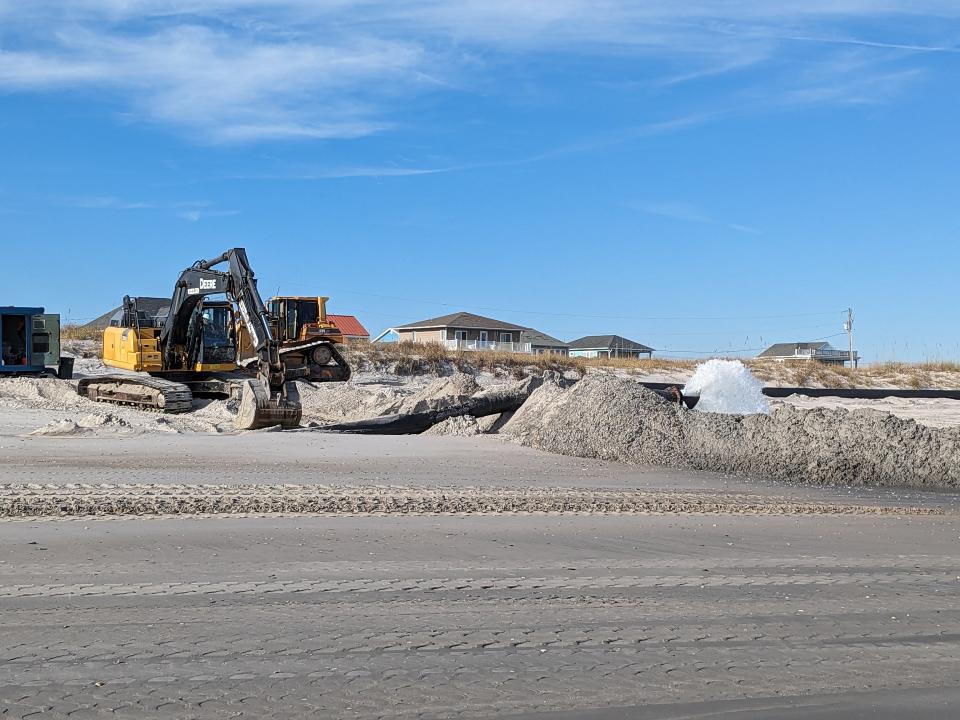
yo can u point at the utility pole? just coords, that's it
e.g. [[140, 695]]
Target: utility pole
[[848, 326]]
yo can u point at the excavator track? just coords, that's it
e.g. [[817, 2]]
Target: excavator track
[[142, 391]]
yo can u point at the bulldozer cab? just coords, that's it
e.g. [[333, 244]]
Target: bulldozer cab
[[301, 318]]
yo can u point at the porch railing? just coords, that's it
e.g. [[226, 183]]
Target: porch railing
[[512, 347]]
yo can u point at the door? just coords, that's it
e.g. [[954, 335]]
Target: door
[[50, 328]]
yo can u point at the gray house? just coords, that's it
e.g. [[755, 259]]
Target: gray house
[[820, 351], [608, 346], [149, 307], [541, 343]]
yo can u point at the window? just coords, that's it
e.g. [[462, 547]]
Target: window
[[217, 322], [218, 338], [506, 337], [308, 312], [41, 343], [460, 334]]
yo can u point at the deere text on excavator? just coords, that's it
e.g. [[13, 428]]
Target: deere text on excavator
[[195, 350]]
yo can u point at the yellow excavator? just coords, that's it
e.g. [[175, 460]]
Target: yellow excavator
[[194, 350]]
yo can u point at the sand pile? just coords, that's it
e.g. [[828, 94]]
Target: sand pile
[[460, 426], [86, 417], [92, 424], [468, 426], [36, 392], [325, 403], [601, 416], [441, 394], [370, 395], [329, 403], [616, 419]]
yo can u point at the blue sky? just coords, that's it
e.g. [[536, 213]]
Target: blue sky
[[706, 176]]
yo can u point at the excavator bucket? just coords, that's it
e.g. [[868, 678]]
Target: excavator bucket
[[259, 410]]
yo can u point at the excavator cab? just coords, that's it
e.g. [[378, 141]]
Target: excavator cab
[[218, 349]]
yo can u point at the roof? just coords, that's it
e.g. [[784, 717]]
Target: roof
[[20, 310], [539, 339], [348, 325], [462, 320], [607, 342], [788, 349], [148, 305]]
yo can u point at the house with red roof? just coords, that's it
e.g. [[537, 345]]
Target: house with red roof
[[351, 328]]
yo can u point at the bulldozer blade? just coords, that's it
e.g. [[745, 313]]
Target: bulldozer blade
[[259, 410]]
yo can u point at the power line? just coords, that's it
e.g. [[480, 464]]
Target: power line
[[580, 315], [827, 337], [392, 318], [738, 350]]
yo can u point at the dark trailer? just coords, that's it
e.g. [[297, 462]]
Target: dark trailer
[[30, 343]]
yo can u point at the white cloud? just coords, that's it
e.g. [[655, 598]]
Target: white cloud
[[230, 87], [246, 70]]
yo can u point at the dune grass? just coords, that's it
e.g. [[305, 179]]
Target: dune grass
[[71, 331], [411, 358]]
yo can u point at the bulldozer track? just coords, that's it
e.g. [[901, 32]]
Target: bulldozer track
[[303, 346], [86, 500], [177, 397]]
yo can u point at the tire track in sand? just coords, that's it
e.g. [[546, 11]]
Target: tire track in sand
[[120, 500]]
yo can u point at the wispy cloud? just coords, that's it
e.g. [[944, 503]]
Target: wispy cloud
[[189, 210], [690, 213], [196, 215], [581, 145], [300, 173], [102, 202], [625, 135], [748, 57], [773, 35], [249, 70], [877, 87]]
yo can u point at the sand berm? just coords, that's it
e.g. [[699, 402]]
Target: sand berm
[[613, 418]]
